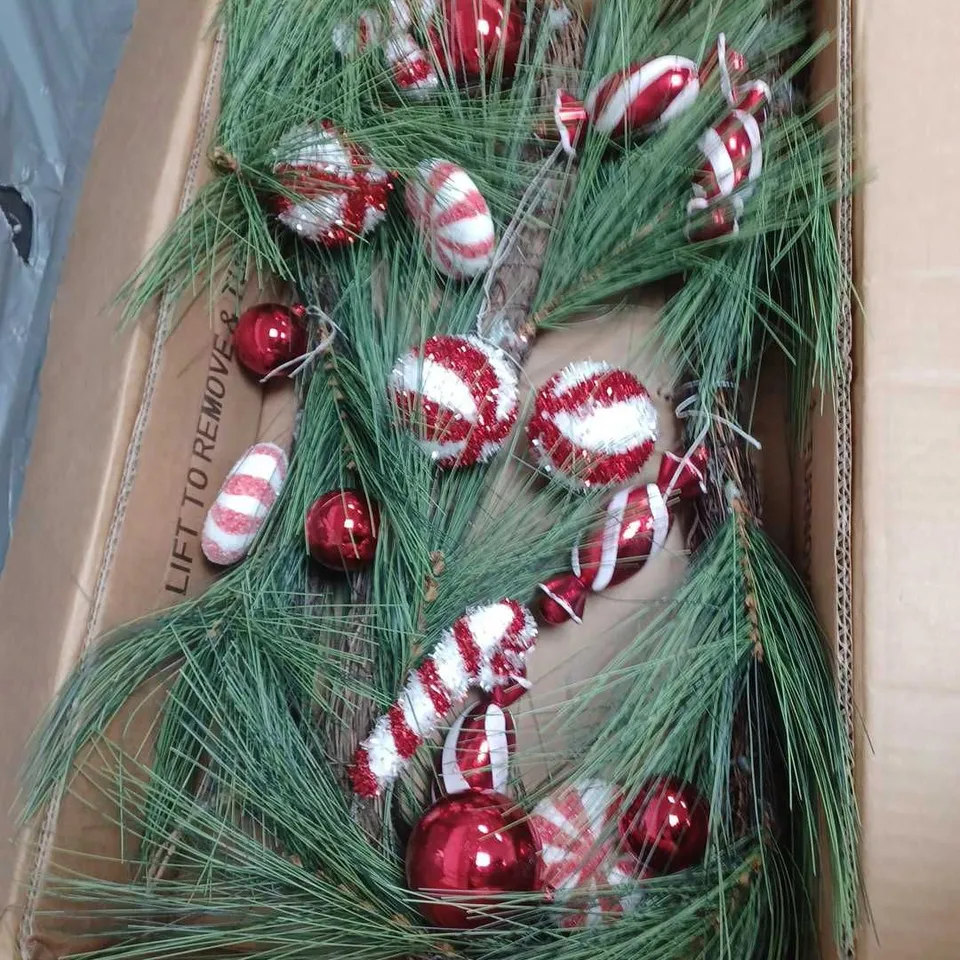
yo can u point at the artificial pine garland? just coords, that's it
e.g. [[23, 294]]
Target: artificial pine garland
[[251, 838]]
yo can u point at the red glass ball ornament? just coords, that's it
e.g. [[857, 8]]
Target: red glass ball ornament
[[269, 335], [342, 529], [667, 825], [475, 34], [468, 846]]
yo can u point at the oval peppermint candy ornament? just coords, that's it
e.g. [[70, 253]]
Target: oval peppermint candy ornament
[[453, 217], [243, 503]]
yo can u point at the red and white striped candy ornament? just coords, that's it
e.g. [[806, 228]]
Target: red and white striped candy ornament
[[242, 505], [644, 97], [635, 529], [460, 395], [351, 38], [476, 751], [453, 217], [485, 648], [340, 194], [413, 71], [593, 425], [733, 161], [584, 860]]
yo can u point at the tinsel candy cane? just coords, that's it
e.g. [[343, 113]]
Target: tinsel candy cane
[[486, 648], [635, 528]]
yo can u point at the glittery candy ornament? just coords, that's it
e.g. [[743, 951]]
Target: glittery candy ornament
[[353, 37], [336, 193], [592, 425], [485, 648], [584, 859], [460, 397], [453, 217], [634, 529], [411, 67]]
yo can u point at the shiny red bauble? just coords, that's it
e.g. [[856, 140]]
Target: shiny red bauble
[[667, 825], [269, 335], [474, 35], [342, 529], [470, 849]]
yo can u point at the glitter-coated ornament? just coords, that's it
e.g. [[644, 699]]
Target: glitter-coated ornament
[[583, 855], [470, 849], [342, 528], [269, 335], [593, 425], [643, 97], [476, 751], [667, 825], [733, 161], [635, 529], [477, 37], [338, 194], [486, 648], [460, 397], [453, 217], [411, 67], [242, 505], [353, 37]]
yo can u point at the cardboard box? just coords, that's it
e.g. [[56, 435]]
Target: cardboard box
[[137, 430]]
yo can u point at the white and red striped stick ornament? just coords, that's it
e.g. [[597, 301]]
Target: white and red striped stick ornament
[[485, 648], [242, 505], [593, 425], [476, 751], [413, 71], [643, 97], [634, 530], [453, 217], [339, 194], [583, 857], [459, 395]]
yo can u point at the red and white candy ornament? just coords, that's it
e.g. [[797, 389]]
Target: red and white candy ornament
[[243, 503], [412, 69], [453, 217], [486, 648], [476, 750], [338, 194], [635, 529], [584, 860], [593, 425], [460, 395]]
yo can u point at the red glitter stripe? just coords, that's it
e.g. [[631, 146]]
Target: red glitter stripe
[[430, 679], [469, 651], [469, 205], [243, 485], [365, 784], [405, 739], [233, 522], [609, 386]]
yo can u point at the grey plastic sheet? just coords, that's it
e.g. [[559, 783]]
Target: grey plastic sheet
[[57, 61]]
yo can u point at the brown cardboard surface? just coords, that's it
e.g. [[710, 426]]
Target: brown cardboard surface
[[907, 517], [121, 475]]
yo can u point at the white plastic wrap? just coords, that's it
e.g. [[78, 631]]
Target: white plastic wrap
[[57, 59]]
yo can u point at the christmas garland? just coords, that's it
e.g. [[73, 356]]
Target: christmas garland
[[438, 184]]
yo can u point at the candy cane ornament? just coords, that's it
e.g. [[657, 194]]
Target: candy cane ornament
[[243, 503], [485, 648], [635, 529]]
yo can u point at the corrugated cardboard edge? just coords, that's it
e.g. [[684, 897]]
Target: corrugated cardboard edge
[[43, 839]]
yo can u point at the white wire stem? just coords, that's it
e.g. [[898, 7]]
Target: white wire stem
[[297, 365]]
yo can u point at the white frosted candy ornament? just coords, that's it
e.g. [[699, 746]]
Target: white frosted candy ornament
[[411, 66], [593, 425], [338, 194], [453, 217], [459, 395], [243, 503]]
